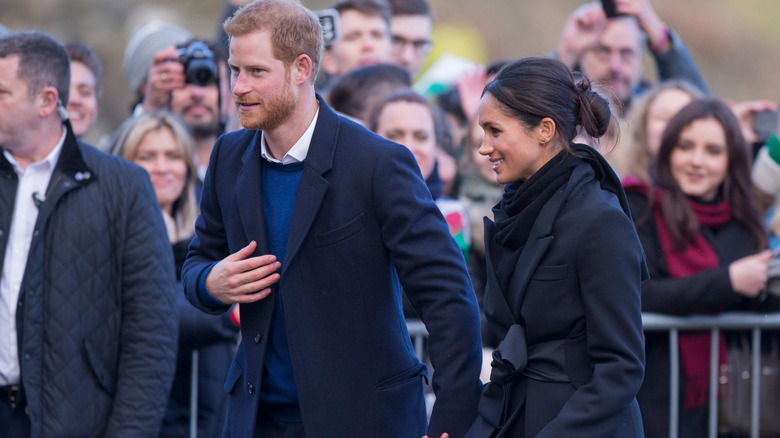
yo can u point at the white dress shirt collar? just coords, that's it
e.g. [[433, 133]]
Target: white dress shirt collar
[[300, 149]]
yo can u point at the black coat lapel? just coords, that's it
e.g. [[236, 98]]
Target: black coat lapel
[[541, 237], [313, 185], [71, 172], [539, 241], [248, 195], [496, 306]]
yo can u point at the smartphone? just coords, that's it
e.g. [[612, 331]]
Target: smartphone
[[609, 8], [331, 29], [764, 124]]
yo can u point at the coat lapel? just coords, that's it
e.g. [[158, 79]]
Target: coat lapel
[[541, 237], [538, 242], [250, 199], [313, 185], [71, 172], [495, 302]]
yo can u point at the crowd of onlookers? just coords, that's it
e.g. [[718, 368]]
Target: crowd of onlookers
[[701, 176]]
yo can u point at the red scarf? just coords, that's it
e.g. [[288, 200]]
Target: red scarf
[[697, 256]]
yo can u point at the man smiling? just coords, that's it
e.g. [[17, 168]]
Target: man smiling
[[313, 224], [86, 80]]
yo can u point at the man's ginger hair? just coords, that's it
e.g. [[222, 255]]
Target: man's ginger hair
[[294, 29]]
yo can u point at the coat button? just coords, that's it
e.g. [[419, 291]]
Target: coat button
[[258, 338], [250, 388]]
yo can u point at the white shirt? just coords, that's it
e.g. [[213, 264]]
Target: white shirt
[[33, 182], [300, 149]]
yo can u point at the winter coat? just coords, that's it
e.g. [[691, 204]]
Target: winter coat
[[96, 321]]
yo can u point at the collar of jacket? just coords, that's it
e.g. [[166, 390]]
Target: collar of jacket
[[323, 142], [71, 164]]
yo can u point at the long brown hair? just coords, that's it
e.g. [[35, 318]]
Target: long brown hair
[[736, 188]]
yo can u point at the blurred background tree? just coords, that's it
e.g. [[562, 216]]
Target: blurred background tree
[[735, 42]]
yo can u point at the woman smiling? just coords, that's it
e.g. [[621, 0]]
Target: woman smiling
[[564, 265], [705, 245]]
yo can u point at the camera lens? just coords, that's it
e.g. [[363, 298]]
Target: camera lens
[[201, 72], [199, 65]]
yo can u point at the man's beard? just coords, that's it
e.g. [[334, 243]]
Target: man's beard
[[199, 127], [270, 113], [618, 87], [205, 130]]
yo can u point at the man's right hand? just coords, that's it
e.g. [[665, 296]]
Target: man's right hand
[[581, 32], [165, 75], [239, 278]]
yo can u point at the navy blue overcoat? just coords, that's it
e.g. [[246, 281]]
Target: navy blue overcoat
[[364, 228]]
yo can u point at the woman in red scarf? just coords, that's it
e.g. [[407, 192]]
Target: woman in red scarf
[[706, 251]]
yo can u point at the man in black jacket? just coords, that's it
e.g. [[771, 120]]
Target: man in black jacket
[[86, 271]]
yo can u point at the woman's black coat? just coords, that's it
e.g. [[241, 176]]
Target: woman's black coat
[[576, 292]]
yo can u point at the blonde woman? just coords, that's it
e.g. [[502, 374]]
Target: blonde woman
[[647, 119], [160, 143]]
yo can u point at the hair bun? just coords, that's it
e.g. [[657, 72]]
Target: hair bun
[[593, 109]]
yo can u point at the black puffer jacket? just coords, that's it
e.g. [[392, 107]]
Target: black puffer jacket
[[96, 316]]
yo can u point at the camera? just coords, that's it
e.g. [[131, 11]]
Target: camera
[[199, 63], [609, 8], [331, 27], [765, 123]]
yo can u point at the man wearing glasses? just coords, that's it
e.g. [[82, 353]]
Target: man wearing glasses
[[410, 28]]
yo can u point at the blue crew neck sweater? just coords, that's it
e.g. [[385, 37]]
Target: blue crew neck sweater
[[280, 188]]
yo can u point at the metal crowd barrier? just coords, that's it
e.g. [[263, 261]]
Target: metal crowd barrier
[[651, 322], [416, 331], [194, 396], [725, 321], [674, 324]]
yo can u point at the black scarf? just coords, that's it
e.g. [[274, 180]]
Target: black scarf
[[516, 213]]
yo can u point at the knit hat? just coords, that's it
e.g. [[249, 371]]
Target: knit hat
[[143, 43]]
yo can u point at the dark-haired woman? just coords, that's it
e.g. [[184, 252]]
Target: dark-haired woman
[[564, 265], [705, 245]]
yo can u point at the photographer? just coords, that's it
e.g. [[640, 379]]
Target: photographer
[[187, 80], [184, 76], [610, 49]]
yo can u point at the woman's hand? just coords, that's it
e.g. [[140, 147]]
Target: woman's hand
[[748, 275]]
